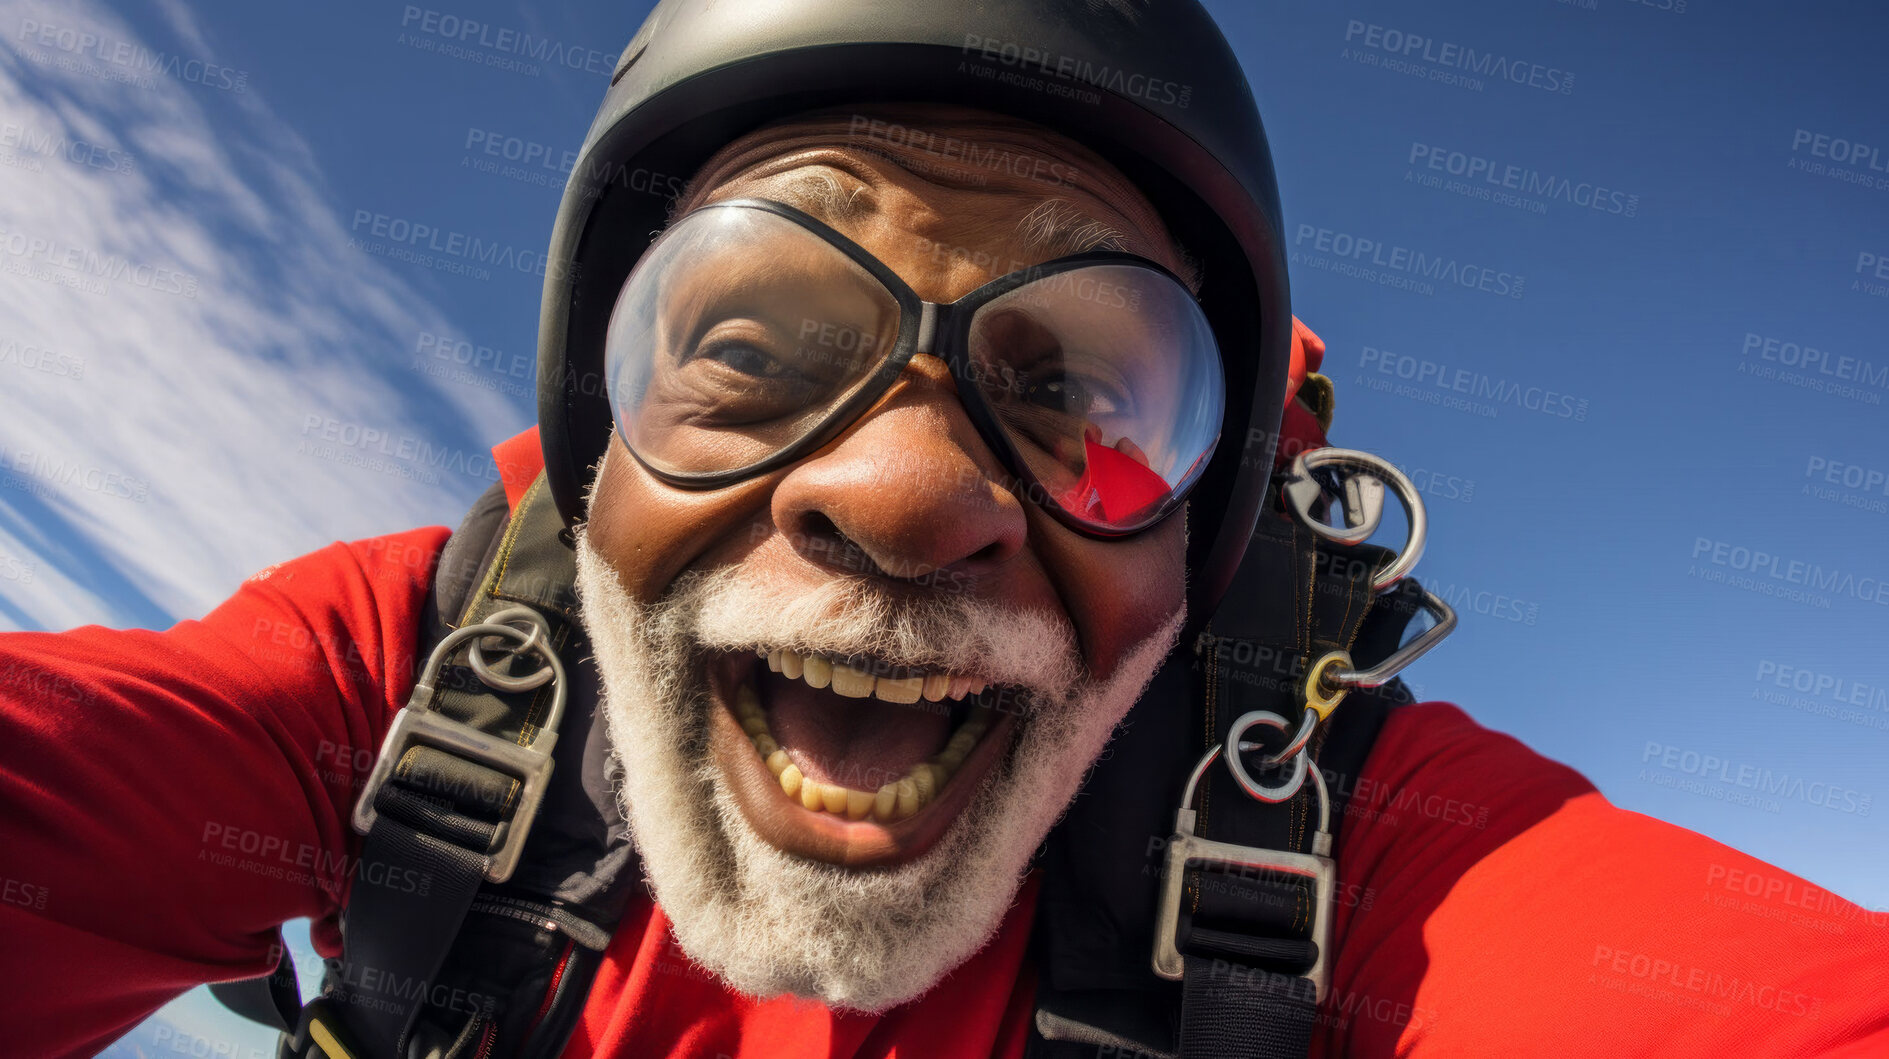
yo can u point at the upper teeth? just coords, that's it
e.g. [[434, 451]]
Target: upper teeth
[[890, 801], [820, 672]]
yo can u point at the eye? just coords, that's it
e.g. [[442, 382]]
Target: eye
[[1072, 394], [747, 359]]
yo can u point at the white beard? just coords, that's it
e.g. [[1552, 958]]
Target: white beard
[[767, 922]]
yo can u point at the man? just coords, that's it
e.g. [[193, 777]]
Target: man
[[901, 489]]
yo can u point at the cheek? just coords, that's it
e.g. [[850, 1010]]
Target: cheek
[[650, 531], [1118, 593]]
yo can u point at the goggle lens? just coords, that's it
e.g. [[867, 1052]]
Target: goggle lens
[[749, 333], [1106, 380], [738, 335]]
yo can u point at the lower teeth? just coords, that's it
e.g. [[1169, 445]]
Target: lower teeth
[[892, 801]]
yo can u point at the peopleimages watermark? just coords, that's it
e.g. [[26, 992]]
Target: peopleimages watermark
[[1766, 569], [1054, 73], [1849, 484], [168, 1038], [39, 473], [1762, 782], [304, 864], [26, 356], [1787, 899], [28, 681], [1446, 62], [1464, 389], [1873, 271], [1824, 694], [298, 646], [444, 250], [1389, 265], [1839, 158], [17, 570], [23, 894], [539, 164], [399, 455], [1488, 603], [500, 47], [122, 60], [1810, 368], [28, 144], [1439, 485], [85, 269], [484, 367], [971, 153], [1506, 184], [1678, 981]]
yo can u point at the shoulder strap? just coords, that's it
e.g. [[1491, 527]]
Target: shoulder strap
[[1103, 865], [440, 958]]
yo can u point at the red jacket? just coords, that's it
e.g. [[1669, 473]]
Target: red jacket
[[168, 798]]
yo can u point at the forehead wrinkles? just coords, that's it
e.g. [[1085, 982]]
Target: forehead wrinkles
[[1026, 163]]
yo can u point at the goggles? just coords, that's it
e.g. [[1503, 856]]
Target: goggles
[[750, 334]]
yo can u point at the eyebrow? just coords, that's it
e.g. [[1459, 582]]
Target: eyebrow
[[820, 194], [1058, 229]]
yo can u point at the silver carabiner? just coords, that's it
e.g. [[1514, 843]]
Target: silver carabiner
[[1363, 502]]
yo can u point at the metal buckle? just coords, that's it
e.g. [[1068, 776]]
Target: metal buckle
[[1186, 850], [530, 763]]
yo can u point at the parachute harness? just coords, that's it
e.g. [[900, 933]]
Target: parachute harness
[[1247, 987]]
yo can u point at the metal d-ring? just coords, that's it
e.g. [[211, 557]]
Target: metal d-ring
[[1307, 725], [1237, 766], [1363, 501], [535, 640]]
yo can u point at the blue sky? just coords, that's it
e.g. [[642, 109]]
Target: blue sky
[[1655, 476]]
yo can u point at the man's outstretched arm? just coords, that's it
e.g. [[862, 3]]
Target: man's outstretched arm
[[1498, 905], [168, 798]]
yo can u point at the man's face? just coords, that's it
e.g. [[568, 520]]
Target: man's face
[[943, 659]]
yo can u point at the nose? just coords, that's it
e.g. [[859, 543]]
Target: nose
[[908, 491]]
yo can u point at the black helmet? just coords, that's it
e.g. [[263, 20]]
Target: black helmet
[[1150, 85]]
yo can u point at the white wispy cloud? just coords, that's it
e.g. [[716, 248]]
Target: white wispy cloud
[[153, 418]]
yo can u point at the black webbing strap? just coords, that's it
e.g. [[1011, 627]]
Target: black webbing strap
[[1245, 1012], [439, 814], [1247, 937], [394, 940]]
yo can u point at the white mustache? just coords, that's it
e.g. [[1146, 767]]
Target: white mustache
[[730, 609]]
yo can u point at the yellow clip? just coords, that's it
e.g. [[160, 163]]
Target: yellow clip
[[1317, 698], [324, 1039]]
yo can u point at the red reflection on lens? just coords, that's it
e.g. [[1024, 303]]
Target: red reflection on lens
[[1114, 488]]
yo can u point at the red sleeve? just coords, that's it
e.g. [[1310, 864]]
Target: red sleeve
[[1496, 904], [168, 798]]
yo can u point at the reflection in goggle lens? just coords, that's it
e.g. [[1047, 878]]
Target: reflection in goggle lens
[[744, 333]]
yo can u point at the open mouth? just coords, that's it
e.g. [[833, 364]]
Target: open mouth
[[855, 759]]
